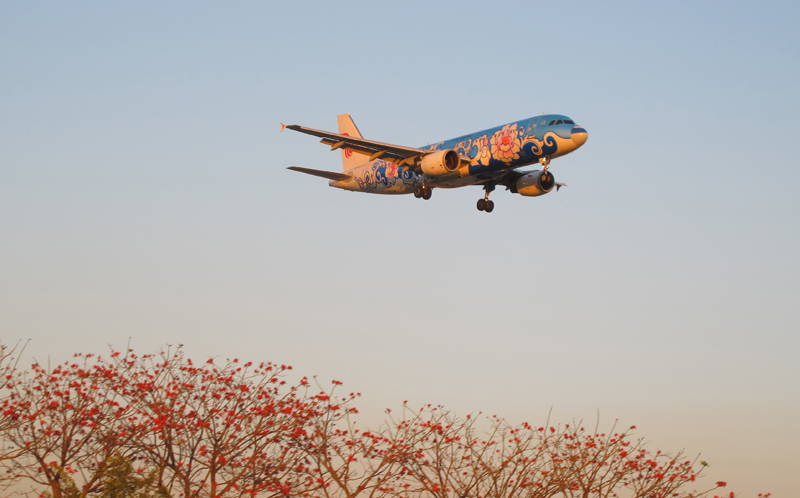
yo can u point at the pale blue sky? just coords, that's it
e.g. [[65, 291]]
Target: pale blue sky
[[143, 194]]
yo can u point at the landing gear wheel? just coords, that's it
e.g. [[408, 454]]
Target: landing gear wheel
[[418, 192], [426, 193], [489, 206], [481, 205]]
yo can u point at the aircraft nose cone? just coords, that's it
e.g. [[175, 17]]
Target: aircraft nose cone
[[579, 136]]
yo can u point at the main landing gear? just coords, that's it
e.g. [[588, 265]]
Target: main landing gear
[[485, 204], [423, 191]]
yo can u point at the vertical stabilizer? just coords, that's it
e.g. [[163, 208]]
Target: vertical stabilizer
[[347, 127]]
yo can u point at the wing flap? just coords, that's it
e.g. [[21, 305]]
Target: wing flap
[[367, 151], [330, 175]]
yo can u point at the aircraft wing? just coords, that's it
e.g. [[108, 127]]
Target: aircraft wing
[[398, 154], [507, 180]]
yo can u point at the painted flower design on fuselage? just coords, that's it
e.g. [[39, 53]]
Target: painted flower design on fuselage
[[391, 170], [506, 144], [484, 153]]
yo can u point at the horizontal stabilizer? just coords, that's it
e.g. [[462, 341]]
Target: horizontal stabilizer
[[330, 175]]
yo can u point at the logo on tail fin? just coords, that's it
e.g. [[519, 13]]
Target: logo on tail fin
[[348, 128], [347, 152]]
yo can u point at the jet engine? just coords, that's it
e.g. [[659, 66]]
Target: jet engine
[[535, 183], [440, 162]]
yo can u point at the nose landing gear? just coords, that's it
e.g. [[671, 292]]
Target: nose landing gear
[[547, 177], [545, 162], [485, 204], [423, 191]]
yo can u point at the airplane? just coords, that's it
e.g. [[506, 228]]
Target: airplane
[[488, 158]]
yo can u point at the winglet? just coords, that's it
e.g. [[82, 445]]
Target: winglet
[[559, 185], [283, 126]]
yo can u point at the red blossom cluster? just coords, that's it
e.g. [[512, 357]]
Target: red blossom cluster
[[161, 425]]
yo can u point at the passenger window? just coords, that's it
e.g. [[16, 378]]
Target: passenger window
[[559, 122], [551, 122]]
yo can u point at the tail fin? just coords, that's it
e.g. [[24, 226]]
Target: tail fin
[[347, 127]]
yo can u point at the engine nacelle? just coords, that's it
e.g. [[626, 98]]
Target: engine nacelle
[[535, 183], [440, 162]]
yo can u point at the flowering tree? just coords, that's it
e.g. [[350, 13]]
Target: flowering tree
[[592, 464], [345, 461], [162, 426], [218, 430], [451, 457], [67, 421], [8, 376]]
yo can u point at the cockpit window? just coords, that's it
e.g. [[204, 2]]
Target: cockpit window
[[560, 121]]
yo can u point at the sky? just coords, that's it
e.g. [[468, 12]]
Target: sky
[[144, 199]]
